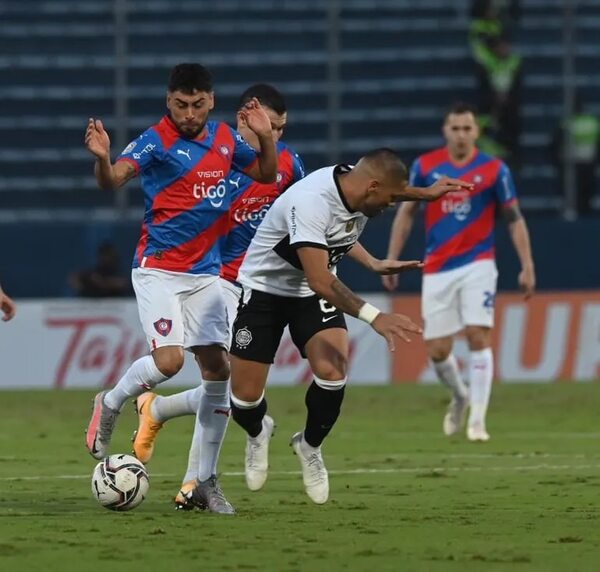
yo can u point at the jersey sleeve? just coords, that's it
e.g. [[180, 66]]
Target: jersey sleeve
[[142, 151], [306, 225], [416, 178], [298, 170], [506, 192], [244, 156]]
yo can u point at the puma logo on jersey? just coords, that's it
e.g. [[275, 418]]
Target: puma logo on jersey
[[186, 153]]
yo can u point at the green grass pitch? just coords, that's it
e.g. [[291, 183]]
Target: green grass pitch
[[403, 497]]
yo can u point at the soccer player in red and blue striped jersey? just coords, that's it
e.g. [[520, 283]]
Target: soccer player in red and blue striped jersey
[[459, 283], [250, 200], [184, 162]]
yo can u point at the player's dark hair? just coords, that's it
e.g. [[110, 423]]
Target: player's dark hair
[[386, 160], [459, 108], [190, 78], [267, 95]]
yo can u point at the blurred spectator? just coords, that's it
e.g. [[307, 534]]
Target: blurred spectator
[[500, 77], [584, 152], [105, 280], [7, 306]]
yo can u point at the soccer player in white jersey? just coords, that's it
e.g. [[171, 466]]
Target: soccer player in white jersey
[[459, 283], [7, 306], [288, 277]]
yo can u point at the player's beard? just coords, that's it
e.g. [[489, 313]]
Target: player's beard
[[191, 130]]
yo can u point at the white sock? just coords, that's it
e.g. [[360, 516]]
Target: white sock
[[449, 374], [481, 375], [166, 407], [191, 473], [141, 376], [213, 417]]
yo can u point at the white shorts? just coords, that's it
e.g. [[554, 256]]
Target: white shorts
[[178, 309], [232, 294], [457, 298]]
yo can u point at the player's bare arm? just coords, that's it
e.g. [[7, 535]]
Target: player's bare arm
[[401, 227], [108, 176], [384, 267], [265, 169], [519, 234], [7, 306], [438, 189], [328, 286]]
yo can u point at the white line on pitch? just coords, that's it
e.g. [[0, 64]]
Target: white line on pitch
[[361, 471]]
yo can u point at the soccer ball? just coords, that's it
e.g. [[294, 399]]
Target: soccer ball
[[120, 482]]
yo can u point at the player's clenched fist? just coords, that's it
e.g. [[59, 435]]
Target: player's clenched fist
[[391, 325]]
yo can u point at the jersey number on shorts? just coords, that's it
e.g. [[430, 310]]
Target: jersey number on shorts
[[489, 299]]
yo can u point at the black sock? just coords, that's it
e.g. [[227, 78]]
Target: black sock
[[250, 419], [323, 406]]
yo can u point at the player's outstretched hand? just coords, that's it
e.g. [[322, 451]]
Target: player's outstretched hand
[[527, 282], [96, 139], [7, 307], [389, 266], [391, 325], [256, 117], [442, 186]]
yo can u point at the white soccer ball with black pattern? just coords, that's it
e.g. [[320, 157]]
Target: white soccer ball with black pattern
[[120, 482]]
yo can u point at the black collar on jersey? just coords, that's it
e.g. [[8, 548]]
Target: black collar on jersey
[[339, 170]]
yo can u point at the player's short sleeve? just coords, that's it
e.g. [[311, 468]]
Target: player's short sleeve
[[415, 177], [298, 171], [141, 152], [307, 224], [244, 156], [506, 192]]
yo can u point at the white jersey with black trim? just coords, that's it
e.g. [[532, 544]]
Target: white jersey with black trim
[[312, 212]]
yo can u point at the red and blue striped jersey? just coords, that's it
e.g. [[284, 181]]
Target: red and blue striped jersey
[[459, 226], [185, 194], [250, 201]]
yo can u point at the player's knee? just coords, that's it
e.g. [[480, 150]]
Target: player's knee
[[331, 370], [438, 352], [478, 338], [213, 363], [169, 361]]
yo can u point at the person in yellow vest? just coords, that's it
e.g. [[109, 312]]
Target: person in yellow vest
[[584, 152], [500, 75]]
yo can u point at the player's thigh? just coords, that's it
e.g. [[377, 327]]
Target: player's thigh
[[319, 331], [231, 295], [478, 294], [159, 307], [205, 314], [440, 305], [259, 326]]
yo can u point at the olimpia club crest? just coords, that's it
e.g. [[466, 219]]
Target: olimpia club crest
[[243, 337]]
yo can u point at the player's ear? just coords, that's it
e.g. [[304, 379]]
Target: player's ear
[[373, 186], [211, 100]]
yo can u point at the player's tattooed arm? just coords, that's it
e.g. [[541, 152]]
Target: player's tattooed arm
[[325, 284], [512, 213], [111, 176], [519, 235], [346, 300]]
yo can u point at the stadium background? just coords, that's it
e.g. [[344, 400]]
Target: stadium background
[[357, 74]]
